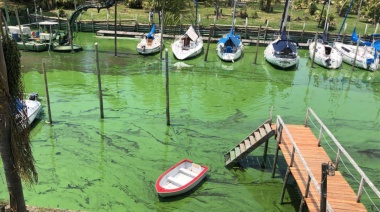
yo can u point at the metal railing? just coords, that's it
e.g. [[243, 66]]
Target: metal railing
[[341, 150], [280, 128]]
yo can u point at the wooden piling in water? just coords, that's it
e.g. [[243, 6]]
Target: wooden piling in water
[[162, 32], [47, 92], [209, 39], [167, 87], [70, 37], [99, 82], [257, 45], [314, 50], [284, 185]]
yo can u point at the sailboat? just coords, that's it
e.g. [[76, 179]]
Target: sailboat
[[365, 57], [282, 52], [151, 43], [230, 47], [325, 55], [189, 44]]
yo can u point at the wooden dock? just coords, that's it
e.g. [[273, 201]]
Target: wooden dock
[[340, 195], [321, 184]]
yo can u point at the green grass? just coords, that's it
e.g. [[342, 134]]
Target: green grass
[[207, 18]]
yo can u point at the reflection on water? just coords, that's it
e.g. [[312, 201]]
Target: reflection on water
[[86, 163]]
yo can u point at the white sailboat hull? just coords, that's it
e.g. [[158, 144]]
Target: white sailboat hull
[[364, 53], [182, 52], [279, 61], [146, 46], [230, 57], [325, 56]]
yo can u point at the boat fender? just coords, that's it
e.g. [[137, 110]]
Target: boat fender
[[34, 46]]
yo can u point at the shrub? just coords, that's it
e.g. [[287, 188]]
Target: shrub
[[313, 7]]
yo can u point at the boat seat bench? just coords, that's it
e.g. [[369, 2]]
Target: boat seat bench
[[187, 172], [174, 181]]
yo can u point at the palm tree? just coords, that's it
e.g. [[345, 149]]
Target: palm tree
[[15, 148]]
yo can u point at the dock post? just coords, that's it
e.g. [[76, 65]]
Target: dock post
[[115, 29], [344, 31], [47, 92], [356, 54], [209, 40], [167, 87], [275, 160], [59, 24], [265, 34], [99, 82], [92, 21], [303, 30], [284, 186], [257, 45], [324, 187], [70, 37], [162, 32], [246, 25], [314, 50], [265, 154]]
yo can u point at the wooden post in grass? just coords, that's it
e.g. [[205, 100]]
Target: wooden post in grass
[[92, 20], [257, 45], [47, 92], [356, 53], [167, 87], [115, 29], [314, 50], [303, 30], [265, 34], [209, 39], [99, 82]]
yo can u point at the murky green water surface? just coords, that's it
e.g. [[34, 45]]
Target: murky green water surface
[[86, 163]]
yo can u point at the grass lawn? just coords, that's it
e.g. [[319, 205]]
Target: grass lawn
[[207, 17]]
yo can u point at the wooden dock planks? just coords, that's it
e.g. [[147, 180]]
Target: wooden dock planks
[[340, 195]]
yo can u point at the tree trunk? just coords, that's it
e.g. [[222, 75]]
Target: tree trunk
[[268, 6], [17, 201]]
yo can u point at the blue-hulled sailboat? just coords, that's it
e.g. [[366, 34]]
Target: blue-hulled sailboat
[[230, 47]]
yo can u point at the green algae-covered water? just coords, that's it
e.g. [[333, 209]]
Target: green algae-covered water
[[111, 164]]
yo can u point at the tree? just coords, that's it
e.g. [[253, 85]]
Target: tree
[[15, 147]]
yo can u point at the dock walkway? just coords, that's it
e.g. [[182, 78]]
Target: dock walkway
[[319, 179], [340, 195]]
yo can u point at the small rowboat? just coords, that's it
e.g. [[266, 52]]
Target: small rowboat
[[180, 178]]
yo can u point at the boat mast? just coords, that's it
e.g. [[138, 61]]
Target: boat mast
[[284, 15], [344, 20], [196, 13], [233, 15]]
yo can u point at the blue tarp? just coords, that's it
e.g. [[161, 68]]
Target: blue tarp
[[354, 37], [230, 36], [151, 33]]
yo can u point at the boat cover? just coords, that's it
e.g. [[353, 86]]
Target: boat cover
[[151, 33], [284, 43], [230, 36], [191, 33], [354, 38]]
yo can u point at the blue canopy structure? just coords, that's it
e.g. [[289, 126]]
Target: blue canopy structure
[[230, 36]]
